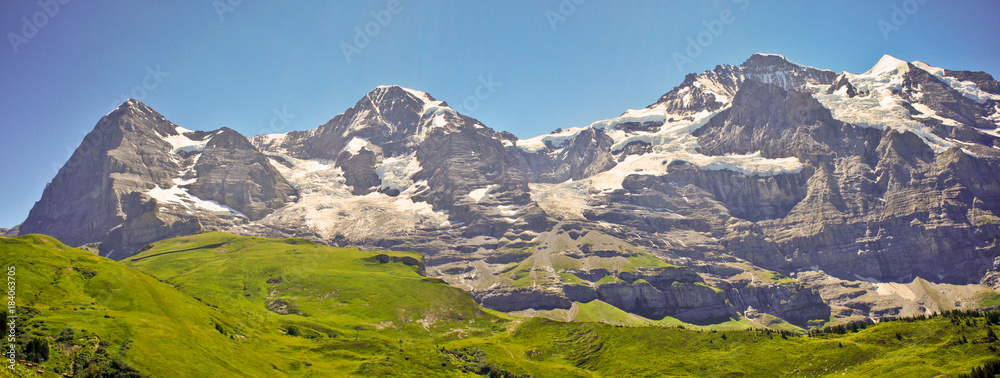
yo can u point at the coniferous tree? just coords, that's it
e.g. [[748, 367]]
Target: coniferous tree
[[37, 350]]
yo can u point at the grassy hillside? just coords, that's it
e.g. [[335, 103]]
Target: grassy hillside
[[222, 305], [922, 348], [203, 312], [349, 309], [102, 301]]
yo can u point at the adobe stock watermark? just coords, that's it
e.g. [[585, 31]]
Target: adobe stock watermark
[[225, 6], [10, 352], [484, 90], [900, 14], [713, 30], [152, 80], [363, 35], [565, 9], [31, 26], [279, 122]]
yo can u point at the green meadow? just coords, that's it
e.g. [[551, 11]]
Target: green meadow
[[217, 304]]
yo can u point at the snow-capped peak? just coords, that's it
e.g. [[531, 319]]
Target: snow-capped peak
[[383, 95], [394, 91], [880, 106], [888, 65], [125, 105], [393, 111], [769, 54], [419, 94]]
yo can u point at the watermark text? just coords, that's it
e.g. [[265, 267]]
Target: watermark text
[[363, 35], [37, 21], [713, 30], [11, 325], [900, 14]]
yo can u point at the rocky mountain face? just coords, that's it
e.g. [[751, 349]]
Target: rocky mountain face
[[133, 180], [231, 171], [761, 190]]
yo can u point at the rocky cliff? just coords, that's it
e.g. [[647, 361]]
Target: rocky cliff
[[128, 184]]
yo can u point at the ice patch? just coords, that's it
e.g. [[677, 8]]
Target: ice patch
[[180, 196], [674, 142], [356, 144], [967, 88], [656, 164], [880, 107], [397, 172], [556, 140], [670, 142], [568, 200], [180, 142], [415, 93], [930, 113], [434, 116], [707, 85], [654, 115], [327, 206], [181, 181], [269, 139], [508, 209], [994, 132], [478, 194]]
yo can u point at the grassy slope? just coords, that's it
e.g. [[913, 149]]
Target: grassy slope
[[169, 331], [598, 311], [337, 294], [333, 294], [925, 350]]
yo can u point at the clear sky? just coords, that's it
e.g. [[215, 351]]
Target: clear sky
[[275, 66]]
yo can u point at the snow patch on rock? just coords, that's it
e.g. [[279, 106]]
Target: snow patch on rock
[[478, 194], [180, 196], [328, 208], [967, 88], [880, 107], [397, 172], [181, 143]]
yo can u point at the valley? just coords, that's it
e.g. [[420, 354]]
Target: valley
[[225, 305]]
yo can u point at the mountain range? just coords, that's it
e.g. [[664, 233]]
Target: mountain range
[[762, 190]]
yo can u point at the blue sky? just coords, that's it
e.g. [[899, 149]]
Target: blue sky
[[268, 66]]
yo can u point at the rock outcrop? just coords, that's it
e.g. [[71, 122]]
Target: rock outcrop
[[10, 232], [232, 172]]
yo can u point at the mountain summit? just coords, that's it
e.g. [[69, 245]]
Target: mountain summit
[[765, 188], [138, 178]]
